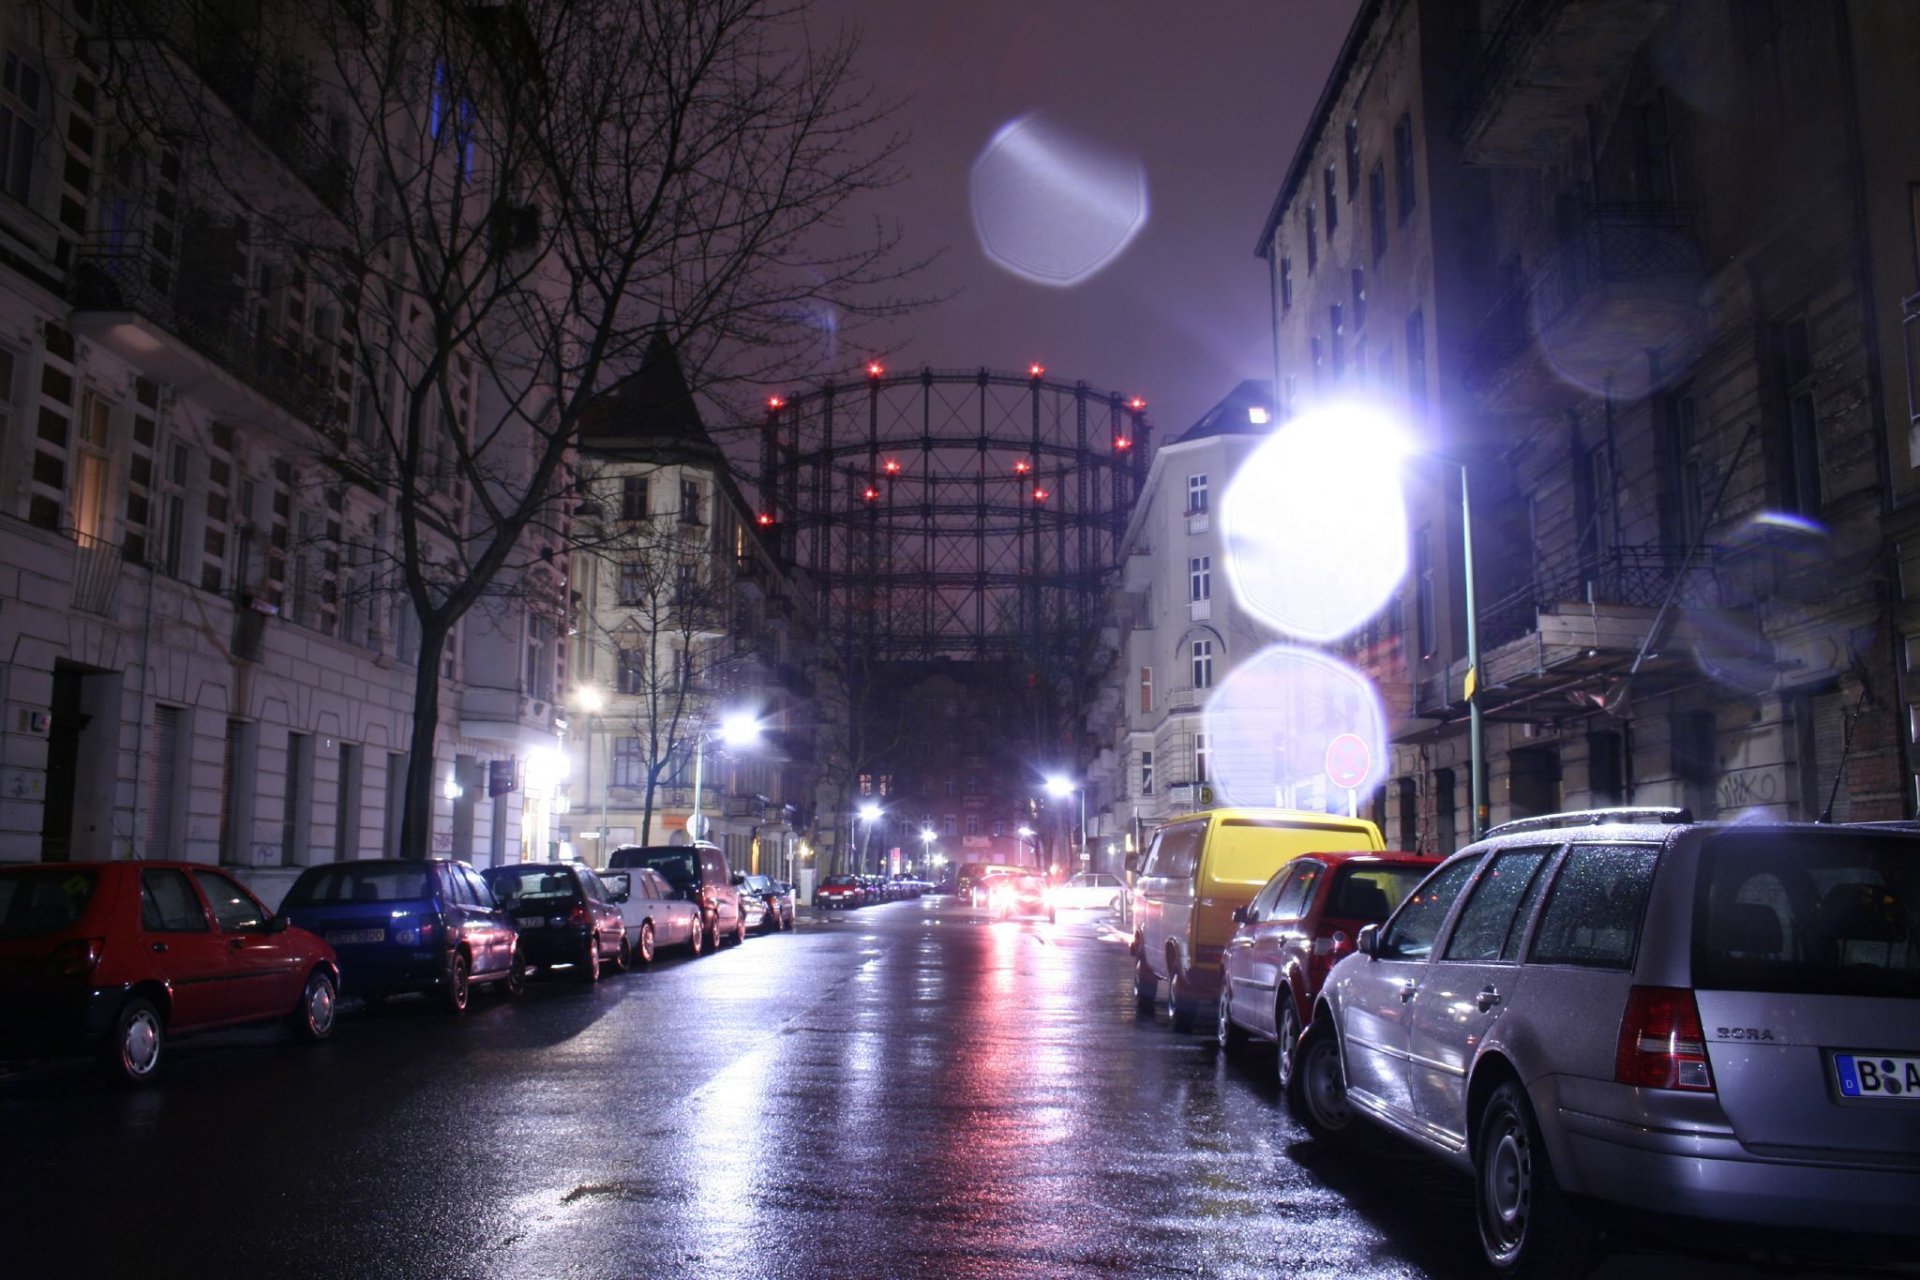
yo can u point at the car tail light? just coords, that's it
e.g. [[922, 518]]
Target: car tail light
[[74, 960], [577, 916], [1326, 949], [1662, 1045], [426, 933]]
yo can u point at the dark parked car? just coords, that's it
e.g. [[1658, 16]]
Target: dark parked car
[[402, 925], [117, 957], [565, 917], [1304, 919], [698, 873], [778, 899], [840, 891]]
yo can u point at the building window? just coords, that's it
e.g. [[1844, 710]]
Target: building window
[[1377, 211], [1146, 689], [1200, 578], [1681, 518], [973, 824], [1200, 773], [1286, 283], [633, 497], [1695, 761], [1446, 829], [629, 763], [1417, 358], [1800, 445], [633, 583], [1331, 192], [1202, 651], [1146, 773], [949, 825], [1358, 279], [630, 671], [1196, 495], [1429, 630], [1403, 165], [19, 125], [689, 502], [1313, 238], [539, 659], [89, 501], [1353, 158]]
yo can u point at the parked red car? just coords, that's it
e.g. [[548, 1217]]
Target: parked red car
[[116, 957], [840, 891], [1305, 918]]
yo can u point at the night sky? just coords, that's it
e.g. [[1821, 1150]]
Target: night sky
[[1205, 101]]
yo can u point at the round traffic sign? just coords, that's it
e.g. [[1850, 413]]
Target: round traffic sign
[[1348, 760]]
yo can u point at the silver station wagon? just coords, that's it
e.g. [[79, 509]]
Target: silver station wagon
[[1625, 1009]]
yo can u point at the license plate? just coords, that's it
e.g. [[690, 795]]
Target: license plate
[[532, 922], [1878, 1075], [353, 937]]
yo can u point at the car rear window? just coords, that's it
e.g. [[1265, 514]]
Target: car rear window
[[1804, 912], [1176, 853], [677, 869], [36, 901], [1246, 852], [345, 883], [511, 884], [1371, 893]]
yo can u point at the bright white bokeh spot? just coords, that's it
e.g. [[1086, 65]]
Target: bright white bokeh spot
[[1270, 722], [1315, 525], [1053, 208]]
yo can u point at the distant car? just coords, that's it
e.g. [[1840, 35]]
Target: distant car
[[566, 917], [699, 873], [404, 925], [840, 891], [753, 907], [1304, 919], [777, 899], [967, 880], [1088, 891], [116, 958], [981, 892], [1022, 895], [1630, 1012], [656, 916]]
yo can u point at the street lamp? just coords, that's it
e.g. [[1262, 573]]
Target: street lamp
[[1476, 741], [1026, 833], [870, 813], [927, 837], [1059, 787], [737, 729]]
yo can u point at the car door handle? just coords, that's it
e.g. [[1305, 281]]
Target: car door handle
[[1408, 990], [159, 946], [1489, 997], [237, 943]]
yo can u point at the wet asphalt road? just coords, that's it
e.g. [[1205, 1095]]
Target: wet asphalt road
[[905, 1090]]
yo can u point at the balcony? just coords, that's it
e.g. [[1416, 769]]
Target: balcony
[[96, 574], [1627, 280], [1546, 61], [182, 324]]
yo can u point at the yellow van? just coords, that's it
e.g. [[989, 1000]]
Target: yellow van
[[1200, 867]]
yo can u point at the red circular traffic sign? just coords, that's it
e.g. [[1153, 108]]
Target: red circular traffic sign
[[1348, 760]]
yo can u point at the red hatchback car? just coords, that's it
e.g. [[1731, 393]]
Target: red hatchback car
[[115, 957], [1305, 918]]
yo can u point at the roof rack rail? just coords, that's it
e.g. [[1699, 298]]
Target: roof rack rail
[[1593, 818]]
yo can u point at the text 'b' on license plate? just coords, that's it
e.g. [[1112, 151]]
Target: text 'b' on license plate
[[1878, 1075], [354, 936]]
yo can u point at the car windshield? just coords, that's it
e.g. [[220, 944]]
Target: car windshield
[[840, 880], [516, 884], [676, 866], [38, 900], [346, 883], [759, 884], [1802, 912]]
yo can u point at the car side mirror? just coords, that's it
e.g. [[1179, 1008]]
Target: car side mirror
[[739, 878], [1368, 943], [278, 924], [1242, 915]]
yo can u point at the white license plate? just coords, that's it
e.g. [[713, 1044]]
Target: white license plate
[[1878, 1075], [532, 922], [353, 937]]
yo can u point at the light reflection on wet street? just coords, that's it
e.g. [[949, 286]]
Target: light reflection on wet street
[[902, 1090]]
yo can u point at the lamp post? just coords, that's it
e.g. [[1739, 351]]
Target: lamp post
[[870, 814], [1476, 742], [1059, 787], [1026, 833], [927, 837], [737, 729]]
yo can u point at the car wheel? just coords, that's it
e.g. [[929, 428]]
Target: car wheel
[[623, 957], [1288, 1023], [1317, 1091], [588, 970], [740, 931], [1527, 1228], [1181, 1003], [1145, 988], [312, 1018], [713, 935], [644, 952], [459, 985], [697, 939], [131, 1053], [515, 983], [1228, 1034]]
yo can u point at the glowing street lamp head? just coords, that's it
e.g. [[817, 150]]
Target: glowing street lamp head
[[1025, 833], [739, 729], [870, 811], [589, 699], [1059, 787]]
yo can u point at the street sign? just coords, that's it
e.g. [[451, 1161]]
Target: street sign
[[1348, 760]]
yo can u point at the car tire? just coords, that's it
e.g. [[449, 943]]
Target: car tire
[[312, 1018], [623, 956], [644, 952], [459, 988], [588, 970], [131, 1054], [1229, 1035], [1181, 1003], [515, 983], [1317, 1090], [1145, 988], [740, 930], [713, 935], [1286, 1039], [1527, 1227], [697, 940]]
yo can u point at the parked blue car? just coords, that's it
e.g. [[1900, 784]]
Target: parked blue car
[[400, 925]]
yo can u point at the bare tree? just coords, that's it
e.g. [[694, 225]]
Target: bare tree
[[494, 208]]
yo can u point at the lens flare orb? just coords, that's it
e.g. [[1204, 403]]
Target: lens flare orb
[[1052, 208], [1282, 720]]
